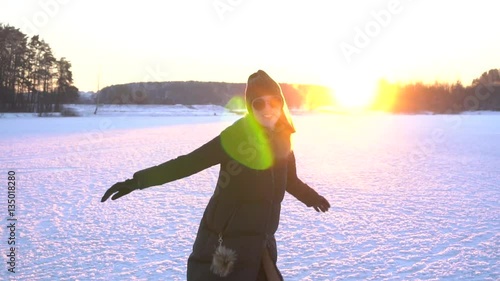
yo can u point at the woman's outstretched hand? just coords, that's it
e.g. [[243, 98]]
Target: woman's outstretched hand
[[120, 189], [321, 204]]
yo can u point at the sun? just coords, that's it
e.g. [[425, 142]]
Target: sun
[[354, 94]]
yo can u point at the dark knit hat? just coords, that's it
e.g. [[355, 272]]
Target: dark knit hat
[[260, 84]]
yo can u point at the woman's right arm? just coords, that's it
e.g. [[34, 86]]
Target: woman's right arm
[[204, 157]]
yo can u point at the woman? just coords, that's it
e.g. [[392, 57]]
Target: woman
[[235, 239]]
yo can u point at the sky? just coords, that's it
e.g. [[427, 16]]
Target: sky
[[346, 45]]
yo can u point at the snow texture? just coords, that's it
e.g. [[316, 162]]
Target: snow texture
[[413, 197]]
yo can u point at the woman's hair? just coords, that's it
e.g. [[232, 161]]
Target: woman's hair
[[281, 141]]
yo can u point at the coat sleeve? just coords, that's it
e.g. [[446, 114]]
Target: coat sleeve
[[202, 158], [296, 187]]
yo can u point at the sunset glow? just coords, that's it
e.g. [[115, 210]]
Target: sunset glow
[[196, 40], [354, 94], [385, 96]]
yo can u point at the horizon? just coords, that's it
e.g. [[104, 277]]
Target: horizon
[[288, 83]]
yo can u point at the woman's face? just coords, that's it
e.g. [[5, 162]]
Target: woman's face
[[267, 110]]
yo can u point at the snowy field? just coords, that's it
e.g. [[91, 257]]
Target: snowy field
[[413, 197]]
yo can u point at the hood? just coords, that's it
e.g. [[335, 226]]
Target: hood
[[261, 84]]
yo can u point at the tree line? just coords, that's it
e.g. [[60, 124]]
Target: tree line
[[31, 78], [198, 92], [440, 98], [418, 97]]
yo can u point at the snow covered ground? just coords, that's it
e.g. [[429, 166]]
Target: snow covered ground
[[413, 197]]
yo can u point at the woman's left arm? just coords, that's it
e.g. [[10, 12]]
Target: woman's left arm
[[301, 190]]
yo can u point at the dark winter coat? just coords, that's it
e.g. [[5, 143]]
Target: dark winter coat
[[245, 207]]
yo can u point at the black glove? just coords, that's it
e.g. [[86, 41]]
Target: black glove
[[321, 204], [120, 189]]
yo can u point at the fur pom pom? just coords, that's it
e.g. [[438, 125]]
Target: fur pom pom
[[223, 261]]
